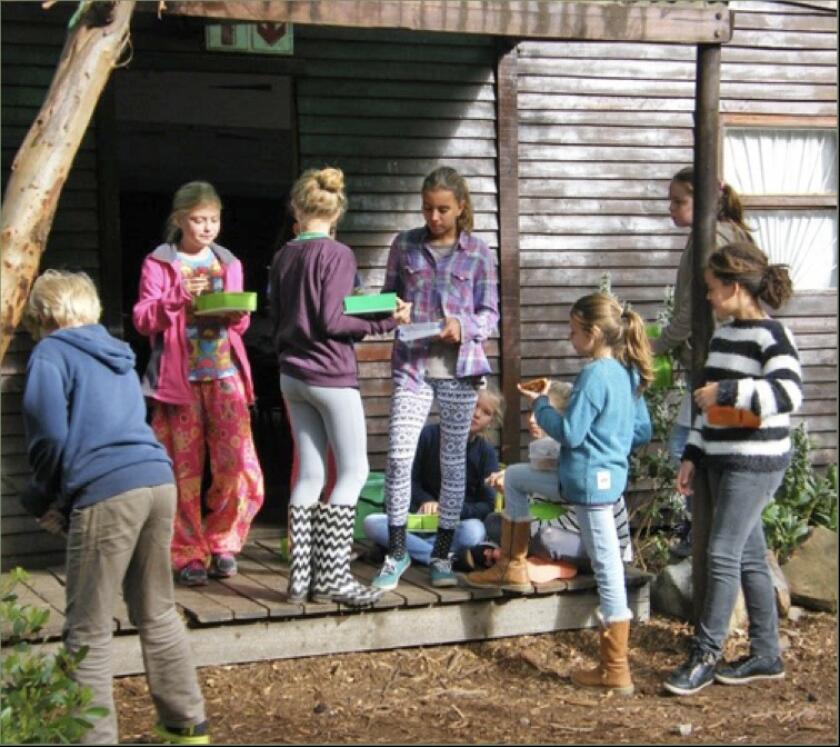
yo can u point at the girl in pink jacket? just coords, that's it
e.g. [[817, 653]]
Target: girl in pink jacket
[[200, 382]]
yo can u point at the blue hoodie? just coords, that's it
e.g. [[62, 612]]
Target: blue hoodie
[[85, 422]]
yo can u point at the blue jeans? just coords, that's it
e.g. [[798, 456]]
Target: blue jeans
[[600, 538], [522, 479], [737, 558], [468, 533]]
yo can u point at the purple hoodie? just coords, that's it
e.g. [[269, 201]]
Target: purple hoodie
[[313, 336]]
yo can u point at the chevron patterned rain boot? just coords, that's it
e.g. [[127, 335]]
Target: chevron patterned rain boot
[[332, 540], [300, 552]]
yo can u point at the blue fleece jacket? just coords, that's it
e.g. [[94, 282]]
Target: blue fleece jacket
[[603, 422], [85, 422]]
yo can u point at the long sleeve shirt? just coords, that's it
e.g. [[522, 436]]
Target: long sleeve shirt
[[677, 335], [312, 334], [756, 366], [481, 461], [463, 285], [603, 422]]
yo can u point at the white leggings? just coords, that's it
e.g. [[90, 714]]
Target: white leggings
[[322, 416]]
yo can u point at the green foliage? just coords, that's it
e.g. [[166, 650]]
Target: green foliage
[[654, 519], [804, 499], [39, 702]]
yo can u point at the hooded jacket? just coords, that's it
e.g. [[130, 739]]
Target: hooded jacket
[[85, 422], [161, 314]]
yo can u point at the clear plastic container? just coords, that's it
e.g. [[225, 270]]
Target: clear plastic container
[[419, 330]]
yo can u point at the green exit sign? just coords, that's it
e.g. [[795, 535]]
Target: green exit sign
[[259, 38]]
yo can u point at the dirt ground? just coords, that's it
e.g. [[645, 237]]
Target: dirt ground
[[512, 691]]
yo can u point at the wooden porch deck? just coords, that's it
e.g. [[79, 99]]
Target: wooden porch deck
[[246, 618]]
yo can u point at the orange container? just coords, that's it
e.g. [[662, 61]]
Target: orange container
[[732, 417]]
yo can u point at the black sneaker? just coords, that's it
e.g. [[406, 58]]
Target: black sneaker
[[222, 565], [694, 675], [749, 669]]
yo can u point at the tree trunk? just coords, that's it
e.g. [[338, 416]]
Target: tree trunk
[[41, 166]]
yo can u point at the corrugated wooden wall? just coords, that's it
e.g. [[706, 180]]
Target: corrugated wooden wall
[[29, 58], [388, 108], [603, 127]]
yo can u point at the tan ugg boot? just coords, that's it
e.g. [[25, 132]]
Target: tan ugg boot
[[613, 673], [510, 571]]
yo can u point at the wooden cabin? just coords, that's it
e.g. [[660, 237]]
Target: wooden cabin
[[568, 136]]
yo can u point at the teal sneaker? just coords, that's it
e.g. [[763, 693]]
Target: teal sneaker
[[440, 572], [389, 574], [187, 735]]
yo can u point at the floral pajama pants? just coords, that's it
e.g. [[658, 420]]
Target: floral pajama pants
[[217, 421]]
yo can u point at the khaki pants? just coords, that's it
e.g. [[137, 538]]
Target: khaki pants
[[125, 541]]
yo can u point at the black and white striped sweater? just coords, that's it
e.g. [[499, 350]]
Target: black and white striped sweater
[[756, 365]]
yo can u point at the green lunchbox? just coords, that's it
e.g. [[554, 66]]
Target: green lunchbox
[[378, 303], [220, 303], [663, 373], [545, 511], [422, 522]]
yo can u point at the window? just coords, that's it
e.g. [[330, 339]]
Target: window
[[786, 172]]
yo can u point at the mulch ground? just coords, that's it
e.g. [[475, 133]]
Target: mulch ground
[[512, 691]]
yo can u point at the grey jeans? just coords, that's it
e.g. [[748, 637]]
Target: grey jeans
[[737, 557], [124, 541]]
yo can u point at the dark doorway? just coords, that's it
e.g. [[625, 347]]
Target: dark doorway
[[234, 131]]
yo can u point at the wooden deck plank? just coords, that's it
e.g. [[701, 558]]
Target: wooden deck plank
[[384, 629], [266, 586], [262, 552]]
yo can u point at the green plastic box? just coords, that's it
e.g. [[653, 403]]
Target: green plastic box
[[546, 511], [371, 501], [219, 303], [378, 303], [422, 522]]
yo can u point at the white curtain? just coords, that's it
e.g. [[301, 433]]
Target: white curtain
[[806, 240], [780, 162], [789, 162]]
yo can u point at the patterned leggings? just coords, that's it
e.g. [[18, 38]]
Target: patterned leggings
[[217, 420], [409, 410]]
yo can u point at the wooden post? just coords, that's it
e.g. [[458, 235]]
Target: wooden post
[[703, 226], [44, 159], [508, 170]]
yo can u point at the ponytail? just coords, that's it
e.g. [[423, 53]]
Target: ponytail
[[729, 205], [744, 263], [622, 329]]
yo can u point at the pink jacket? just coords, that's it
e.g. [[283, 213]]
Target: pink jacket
[[160, 314]]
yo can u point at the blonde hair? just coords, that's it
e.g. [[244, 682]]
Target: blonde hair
[[558, 394], [445, 177], [319, 194], [61, 299], [497, 404], [622, 329], [187, 198]]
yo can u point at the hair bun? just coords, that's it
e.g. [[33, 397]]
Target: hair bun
[[332, 180]]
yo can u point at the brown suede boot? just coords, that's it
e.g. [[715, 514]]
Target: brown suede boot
[[613, 673], [510, 571]]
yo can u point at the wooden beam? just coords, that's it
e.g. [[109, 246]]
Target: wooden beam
[[523, 19], [703, 231], [372, 630], [508, 170]]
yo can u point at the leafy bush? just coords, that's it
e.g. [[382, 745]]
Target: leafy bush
[[41, 704], [804, 499]]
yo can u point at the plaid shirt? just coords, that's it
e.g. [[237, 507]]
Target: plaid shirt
[[462, 285]]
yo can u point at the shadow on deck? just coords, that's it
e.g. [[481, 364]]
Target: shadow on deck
[[246, 618]]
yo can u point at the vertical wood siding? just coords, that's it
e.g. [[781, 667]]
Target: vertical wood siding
[[388, 108]]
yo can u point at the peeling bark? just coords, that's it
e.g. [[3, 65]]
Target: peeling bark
[[46, 155]]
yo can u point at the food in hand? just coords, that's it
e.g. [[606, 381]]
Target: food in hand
[[535, 385]]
